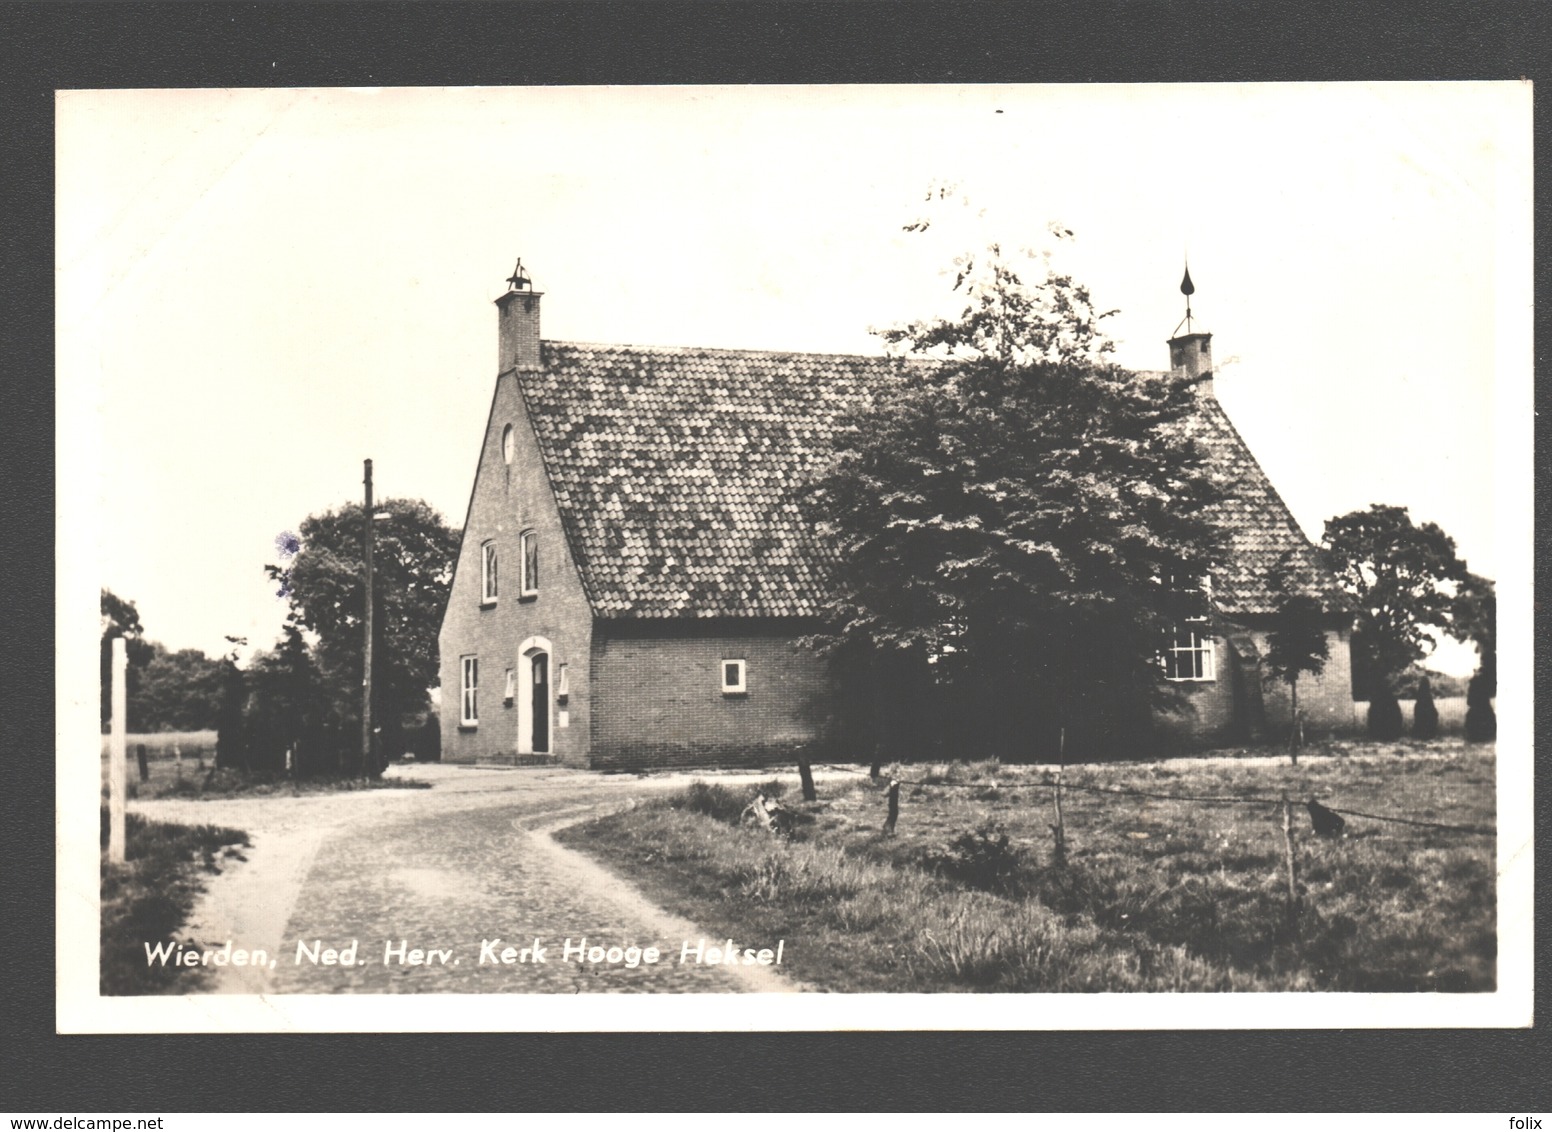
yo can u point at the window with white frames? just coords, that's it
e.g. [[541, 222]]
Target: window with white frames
[[734, 677], [470, 714], [488, 587], [510, 693], [1190, 654], [528, 578]]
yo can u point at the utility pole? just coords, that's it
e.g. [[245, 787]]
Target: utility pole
[[366, 652]]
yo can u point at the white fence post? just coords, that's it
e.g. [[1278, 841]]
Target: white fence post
[[117, 757]]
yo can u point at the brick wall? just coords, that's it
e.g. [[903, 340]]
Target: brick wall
[[1240, 705], [508, 499], [659, 699], [1325, 701]]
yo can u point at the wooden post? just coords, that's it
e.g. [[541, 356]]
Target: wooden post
[[145, 765], [366, 648], [117, 756], [1294, 736], [894, 806], [1293, 875], [1059, 830], [806, 773]]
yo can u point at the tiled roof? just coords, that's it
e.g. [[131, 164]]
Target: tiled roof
[[675, 472], [1257, 526]]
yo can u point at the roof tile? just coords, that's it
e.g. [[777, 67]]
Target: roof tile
[[675, 471]]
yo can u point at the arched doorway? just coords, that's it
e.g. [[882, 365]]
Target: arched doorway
[[535, 698]]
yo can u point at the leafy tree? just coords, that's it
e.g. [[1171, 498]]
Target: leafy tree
[[413, 555], [178, 691], [1403, 578], [287, 709], [231, 731], [1476, 620], [1016, 519], [1474, 617], [120, 618], [1425, 716], [1296, 645]]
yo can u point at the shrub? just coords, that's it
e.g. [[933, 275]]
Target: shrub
[[1425, 717], [1481, 722], [721, 803], [1385, 721], [981, 858]]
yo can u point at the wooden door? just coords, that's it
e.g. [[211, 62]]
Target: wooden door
[[541, 704]]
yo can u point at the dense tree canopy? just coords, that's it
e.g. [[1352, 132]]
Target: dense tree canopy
[[178, 691], [1404, 579], [1016, 524], [413, 554], [1474, 617]]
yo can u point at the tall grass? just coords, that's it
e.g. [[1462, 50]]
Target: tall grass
[[147, 899], [1155, 894]]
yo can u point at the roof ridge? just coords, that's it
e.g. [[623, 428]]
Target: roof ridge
[[730, 351]]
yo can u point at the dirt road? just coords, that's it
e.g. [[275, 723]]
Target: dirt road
[[425, 891]]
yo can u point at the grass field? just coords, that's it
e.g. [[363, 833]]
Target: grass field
[[1155, 894], [147, 899]]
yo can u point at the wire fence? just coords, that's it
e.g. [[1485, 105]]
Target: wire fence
[[1207, 799]]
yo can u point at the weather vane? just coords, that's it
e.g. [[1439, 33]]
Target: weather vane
[[518, 280], [1187, 288]]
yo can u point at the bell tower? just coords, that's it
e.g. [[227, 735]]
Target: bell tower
[[1190, 353], [518, 334]]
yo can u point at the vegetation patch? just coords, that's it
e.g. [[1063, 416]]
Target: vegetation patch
[[169, 777], [1154, 893], [146, 901]]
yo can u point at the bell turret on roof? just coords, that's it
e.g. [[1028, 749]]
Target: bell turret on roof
[[1190, 353]]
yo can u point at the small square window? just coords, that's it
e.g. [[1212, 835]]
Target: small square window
[[734, 678]]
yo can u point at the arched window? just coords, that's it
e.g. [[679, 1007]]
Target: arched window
[[528, 578], [488, 586]]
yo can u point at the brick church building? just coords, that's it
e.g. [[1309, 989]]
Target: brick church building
[[635, 575]]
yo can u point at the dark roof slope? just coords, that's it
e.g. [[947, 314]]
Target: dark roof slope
[[1256, 524], [675, 471]]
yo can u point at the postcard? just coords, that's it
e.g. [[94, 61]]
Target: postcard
[[770, 558]]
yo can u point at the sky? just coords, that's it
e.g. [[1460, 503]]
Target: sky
[[258, 289]]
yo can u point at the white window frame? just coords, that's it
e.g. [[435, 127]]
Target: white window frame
[[510, 694], [1192, 646], [741, 686], [528, 580], [469, 690], [490, 569]]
